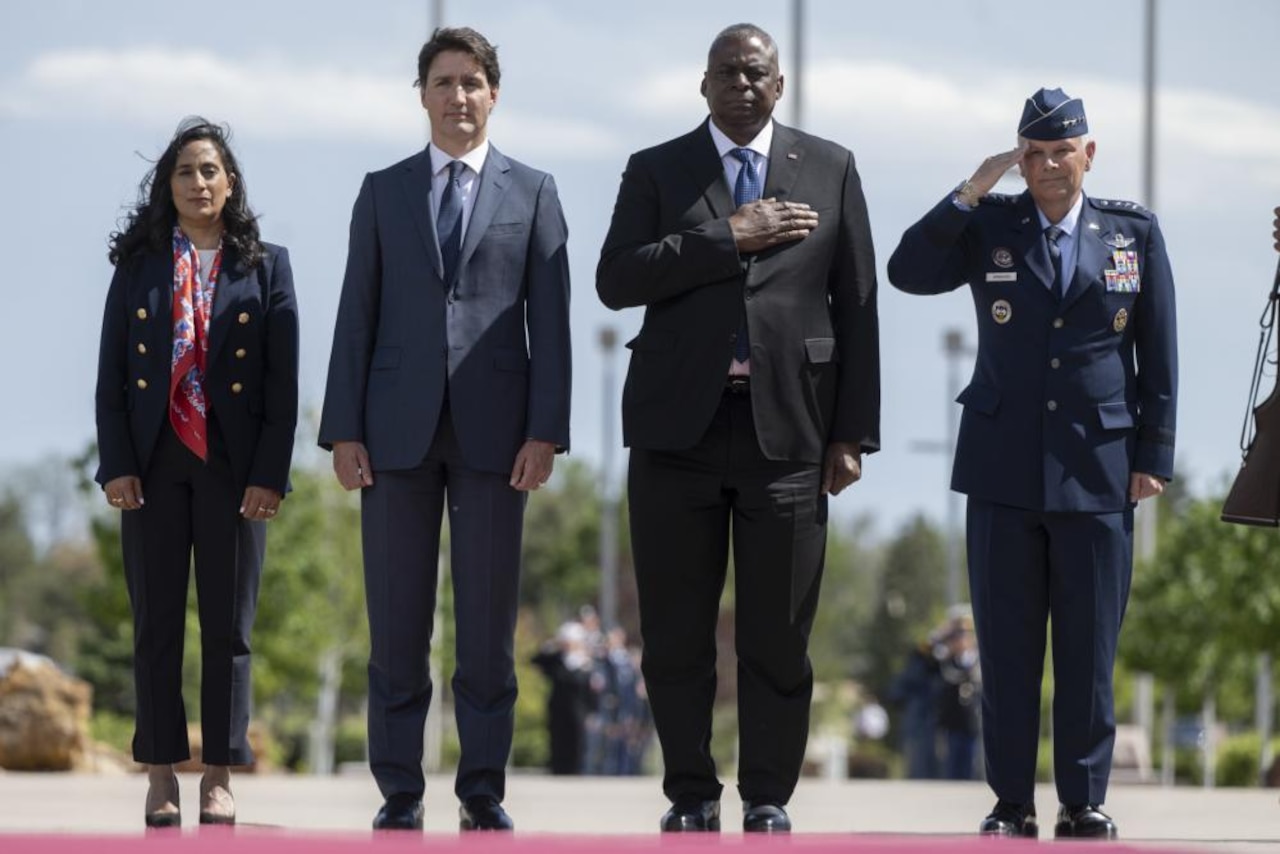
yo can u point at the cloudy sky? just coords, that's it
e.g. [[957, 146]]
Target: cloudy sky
[[319, 92]]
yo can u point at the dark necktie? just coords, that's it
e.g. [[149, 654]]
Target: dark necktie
[[746, 189], [449, 220], [1052, 235]]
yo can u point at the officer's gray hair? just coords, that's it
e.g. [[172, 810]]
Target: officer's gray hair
[[742, 32]]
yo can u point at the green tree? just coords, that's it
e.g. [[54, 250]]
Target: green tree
[[840, 645], [912, 597], [1199, 613], [17, 562]]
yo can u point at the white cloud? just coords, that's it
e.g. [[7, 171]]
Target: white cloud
[[895, 113], [158, 86]]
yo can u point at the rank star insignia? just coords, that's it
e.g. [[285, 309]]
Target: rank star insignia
[[1119, 241], [1121, 320], [1002, 312], [1002, 257]]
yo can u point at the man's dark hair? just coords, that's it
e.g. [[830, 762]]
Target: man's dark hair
[[463, 40], [741, 32], [149, 226]]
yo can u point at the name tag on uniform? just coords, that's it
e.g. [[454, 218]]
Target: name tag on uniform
[[1010, 276]]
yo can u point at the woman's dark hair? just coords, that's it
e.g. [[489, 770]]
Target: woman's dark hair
[[149, 225], [463, 40]]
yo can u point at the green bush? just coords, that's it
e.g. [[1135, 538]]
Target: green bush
[[112, 729], [1238, 759]]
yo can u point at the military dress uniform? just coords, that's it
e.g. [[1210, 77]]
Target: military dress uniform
[[1072, 391]]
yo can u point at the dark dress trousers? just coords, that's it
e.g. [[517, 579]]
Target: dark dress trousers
[[708, 467], [1070, 394], [251, 388], [443, 381]]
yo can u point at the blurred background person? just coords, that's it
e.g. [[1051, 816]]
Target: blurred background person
[[915, 692], [959, 697], [196, 404], [567, 665]]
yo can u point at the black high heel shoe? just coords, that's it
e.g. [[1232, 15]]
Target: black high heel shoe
[[165, 818]]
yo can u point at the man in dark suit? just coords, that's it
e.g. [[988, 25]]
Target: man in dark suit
[[752, 394], [1068, 423], [449, 382]]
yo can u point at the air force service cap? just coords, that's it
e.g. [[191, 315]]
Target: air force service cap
[[1052, 114]]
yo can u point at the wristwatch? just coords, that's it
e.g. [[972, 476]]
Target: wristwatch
[[967, 194]]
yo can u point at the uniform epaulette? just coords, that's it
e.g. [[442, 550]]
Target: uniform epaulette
[[999, 199], [1121, 206]]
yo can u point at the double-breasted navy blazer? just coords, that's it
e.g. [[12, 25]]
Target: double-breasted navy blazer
[[810, 304], [251, 379], [1070, 394], [496, 338]]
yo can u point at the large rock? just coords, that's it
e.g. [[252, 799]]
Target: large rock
[[44, 715]]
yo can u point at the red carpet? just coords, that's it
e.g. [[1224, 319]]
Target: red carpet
[[247, 840]]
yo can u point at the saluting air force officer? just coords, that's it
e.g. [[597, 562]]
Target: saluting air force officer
[[1068, 423]]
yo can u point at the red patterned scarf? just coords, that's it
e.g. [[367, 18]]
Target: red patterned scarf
[[192, 308]]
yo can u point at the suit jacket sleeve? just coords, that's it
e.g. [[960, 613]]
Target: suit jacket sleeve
[[639, 266], [855, 314], [930, 258], [116, 457], [274, 451], [1156, 353], [547, 318], [356, 327]]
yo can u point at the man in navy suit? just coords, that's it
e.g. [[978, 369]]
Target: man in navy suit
[[448, 384], [753, 392], [1068, 423]]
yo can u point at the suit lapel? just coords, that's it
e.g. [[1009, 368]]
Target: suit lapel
[[417, 188], [1032, 245], [156, 278], [232, 283], [785, 158], [703, 164], [491, 185], [1091, 230]]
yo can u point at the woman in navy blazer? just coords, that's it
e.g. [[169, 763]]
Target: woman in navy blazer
[[197, 401]]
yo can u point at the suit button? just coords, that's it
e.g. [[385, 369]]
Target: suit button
[[240, 354], [1052, 405], [142, 348], [243, 318], [750, 295], [142, 314], [1055, 363], [236, 388], [142, 383], [1057, 323]]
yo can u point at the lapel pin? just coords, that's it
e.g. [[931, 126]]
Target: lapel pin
[[791, 155]]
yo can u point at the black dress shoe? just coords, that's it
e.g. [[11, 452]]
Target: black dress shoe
[[692, 815], [484, 813], [400, 812], [1085, 821], [163, 819], [1010, 819], [765, 817]]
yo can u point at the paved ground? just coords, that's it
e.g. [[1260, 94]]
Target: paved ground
[[1180, 819]]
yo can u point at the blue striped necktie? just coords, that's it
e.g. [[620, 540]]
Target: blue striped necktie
[[746, 189], [1052, 234], [449, 220]]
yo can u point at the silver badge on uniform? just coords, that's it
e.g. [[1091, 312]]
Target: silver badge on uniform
[[1002, 257], [1119, 241], [1001, 311]]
